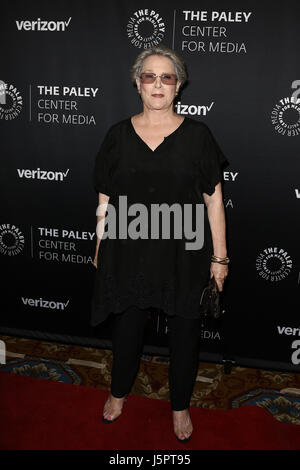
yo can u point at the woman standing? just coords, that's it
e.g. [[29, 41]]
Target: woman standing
[[158, 157]]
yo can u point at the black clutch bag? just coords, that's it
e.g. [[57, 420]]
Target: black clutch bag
[[210, 300]]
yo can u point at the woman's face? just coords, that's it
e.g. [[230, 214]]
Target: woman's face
[[157, 95]]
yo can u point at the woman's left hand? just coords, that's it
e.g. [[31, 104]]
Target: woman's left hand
[[220, 272]]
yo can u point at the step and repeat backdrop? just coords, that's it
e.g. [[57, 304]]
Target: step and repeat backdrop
[[65, 80]]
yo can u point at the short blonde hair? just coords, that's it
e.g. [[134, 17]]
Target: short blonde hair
[[179, 65]]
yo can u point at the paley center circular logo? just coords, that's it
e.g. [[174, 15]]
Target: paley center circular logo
[[145, 28], [11, 240], [274, 264], [11, 101], [285, 116]]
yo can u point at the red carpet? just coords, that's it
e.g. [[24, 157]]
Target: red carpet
[[42, 414]]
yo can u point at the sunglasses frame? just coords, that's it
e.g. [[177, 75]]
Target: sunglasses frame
[[160, 76]]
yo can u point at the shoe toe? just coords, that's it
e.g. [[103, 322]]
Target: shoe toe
[[184, 439], [107, 421]]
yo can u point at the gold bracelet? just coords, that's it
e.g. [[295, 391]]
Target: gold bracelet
[[217, 259]]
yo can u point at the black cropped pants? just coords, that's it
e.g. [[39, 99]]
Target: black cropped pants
[[127, 345]]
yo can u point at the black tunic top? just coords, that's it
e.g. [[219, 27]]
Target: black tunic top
[[155, 272]]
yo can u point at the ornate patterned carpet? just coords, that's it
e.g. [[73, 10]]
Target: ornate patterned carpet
[[277, 392]]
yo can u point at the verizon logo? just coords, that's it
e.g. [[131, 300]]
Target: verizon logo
[[45, 303], [193, 109], [41, 25], [286, 330], [42, 174]]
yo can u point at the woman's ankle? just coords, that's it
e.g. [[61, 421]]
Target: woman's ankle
[[117, 398], [180, 411]]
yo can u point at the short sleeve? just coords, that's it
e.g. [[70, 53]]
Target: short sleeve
[[101, 175], [212, 161]]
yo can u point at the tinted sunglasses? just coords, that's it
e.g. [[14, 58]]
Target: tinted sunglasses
[[166, 78]]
